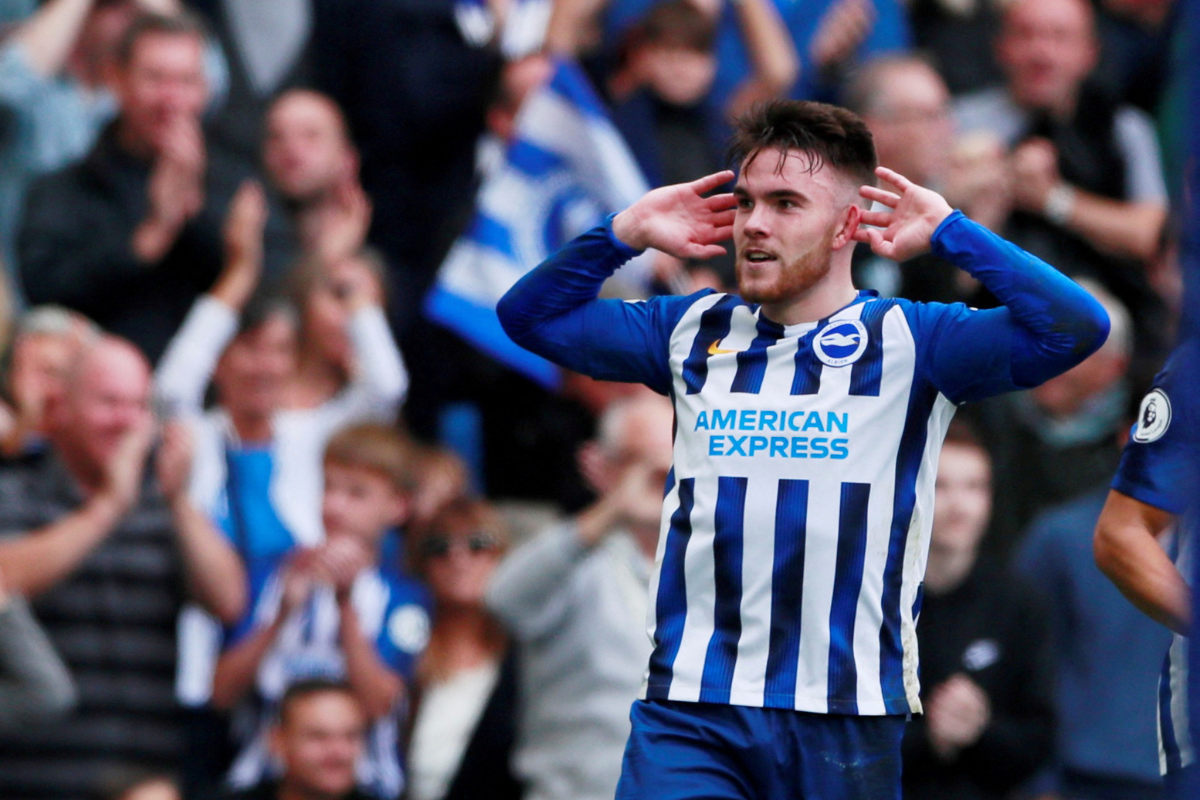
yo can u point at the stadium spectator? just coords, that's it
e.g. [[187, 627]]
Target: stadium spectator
[[46, 342], [1103, 647], [258, 463], [1088, 189], [415, 92], [34, 683], [131, 235], [906, 105], [986, 679], [318, 739], [575, 599], [1057, 442], [831, 37], [464, 721], [311, 162], [661, 85], [267, 49], [335, 611], [107, 553], [54, 94]]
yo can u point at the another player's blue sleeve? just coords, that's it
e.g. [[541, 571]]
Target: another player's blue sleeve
[[1046, 325], [554, 312], [406, 624], [1157, 464]]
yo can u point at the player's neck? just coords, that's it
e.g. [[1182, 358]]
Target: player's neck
[[817, 302]]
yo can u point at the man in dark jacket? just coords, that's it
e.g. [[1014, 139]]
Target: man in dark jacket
[[131, 235], [985, 676]]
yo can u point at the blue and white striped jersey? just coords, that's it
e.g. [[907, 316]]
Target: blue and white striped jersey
[[1156, 469], [797, 525], [796, 521]]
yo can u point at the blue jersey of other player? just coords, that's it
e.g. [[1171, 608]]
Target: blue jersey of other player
[[1154, 487]]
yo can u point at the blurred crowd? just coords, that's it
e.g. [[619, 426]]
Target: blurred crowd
[[268, 531]]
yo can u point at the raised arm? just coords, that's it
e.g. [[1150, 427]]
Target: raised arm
[[769, 45], [1047, 324], [554, 311], [191, 357]]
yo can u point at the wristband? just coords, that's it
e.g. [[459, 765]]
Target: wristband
[[1060, 202]]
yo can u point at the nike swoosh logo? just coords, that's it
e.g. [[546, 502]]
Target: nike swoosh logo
[[713, 350]]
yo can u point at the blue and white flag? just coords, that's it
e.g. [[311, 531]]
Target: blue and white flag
[[565, 169]]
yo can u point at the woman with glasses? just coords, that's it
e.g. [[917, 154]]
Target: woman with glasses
[[465, 699]]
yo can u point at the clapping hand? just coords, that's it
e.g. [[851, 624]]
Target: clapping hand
[[243, 234], [680, 220], [122, 480], [173, 463], [908, 225]]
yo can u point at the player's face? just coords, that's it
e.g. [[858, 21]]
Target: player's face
[[787, 219], [963, 499]]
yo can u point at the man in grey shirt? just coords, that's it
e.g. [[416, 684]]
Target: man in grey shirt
[[575, 598]]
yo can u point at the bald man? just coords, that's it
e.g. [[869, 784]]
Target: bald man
[[106, 551], [312, 163], [576, 595]]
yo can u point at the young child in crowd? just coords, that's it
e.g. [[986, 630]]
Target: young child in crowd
[[338, 611]]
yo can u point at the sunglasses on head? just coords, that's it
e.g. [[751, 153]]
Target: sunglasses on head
[[439, 545]]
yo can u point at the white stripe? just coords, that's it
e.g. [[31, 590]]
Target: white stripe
[[820, 554], [670, 504], [701, 595], [758, 559]]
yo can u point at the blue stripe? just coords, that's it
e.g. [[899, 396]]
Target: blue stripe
[[787, 591], [908, 462], [727, 579], [714, 326], [1170, 744], [494, 235], [867, 372], [670, 607], [752, 362], [570, 82], [847, 583], [532, 160], [807, 379]]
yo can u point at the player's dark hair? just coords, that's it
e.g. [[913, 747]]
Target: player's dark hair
[[825, 134], [185, 23], [308, 687]]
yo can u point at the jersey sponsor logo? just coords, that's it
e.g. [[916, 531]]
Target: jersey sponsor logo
[[713, 350], [841, 343], [981, 654], [1154, 417], [408, 628]]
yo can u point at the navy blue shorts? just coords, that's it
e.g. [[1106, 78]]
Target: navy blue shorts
[[694, 751]]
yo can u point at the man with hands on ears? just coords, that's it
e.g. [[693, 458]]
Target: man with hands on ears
[[808, 420]]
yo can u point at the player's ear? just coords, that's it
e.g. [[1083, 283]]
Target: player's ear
[[851, 218]]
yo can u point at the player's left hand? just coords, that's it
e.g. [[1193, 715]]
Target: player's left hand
[[908, 226]]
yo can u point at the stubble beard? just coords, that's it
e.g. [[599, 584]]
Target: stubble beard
[[795, 279]]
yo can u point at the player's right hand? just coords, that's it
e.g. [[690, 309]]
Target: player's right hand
[[680, 220]]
